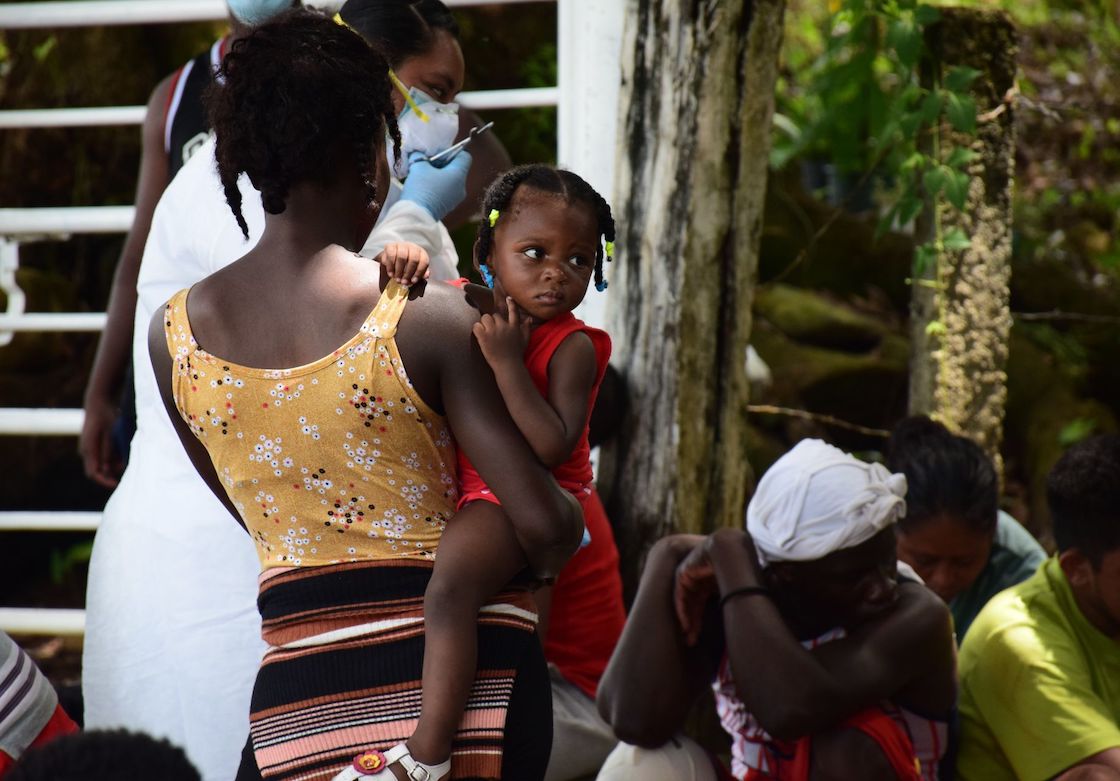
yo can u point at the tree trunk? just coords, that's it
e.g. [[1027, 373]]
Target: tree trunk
[[697, 98], [958, 373]]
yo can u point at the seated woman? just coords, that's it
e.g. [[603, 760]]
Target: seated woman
[[822, 658], [317, 399], [954, 535]]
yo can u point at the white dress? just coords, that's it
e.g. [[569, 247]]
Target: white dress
[[172, 631]]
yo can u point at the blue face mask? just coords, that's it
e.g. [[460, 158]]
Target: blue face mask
[[254, 12]]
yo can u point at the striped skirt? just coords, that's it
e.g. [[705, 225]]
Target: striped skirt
[[343, 669]]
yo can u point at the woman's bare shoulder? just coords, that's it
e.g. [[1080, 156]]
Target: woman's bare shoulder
[[442, 303]]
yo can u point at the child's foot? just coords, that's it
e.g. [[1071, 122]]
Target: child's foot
[[396, 763]]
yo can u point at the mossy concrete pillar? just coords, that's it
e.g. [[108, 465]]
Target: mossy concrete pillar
[[960, 316]]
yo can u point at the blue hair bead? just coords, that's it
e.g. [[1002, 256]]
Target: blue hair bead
[[601, 285], [487, 276]]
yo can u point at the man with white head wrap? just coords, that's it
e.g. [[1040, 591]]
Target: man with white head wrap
[[818, 499], [819, 654]]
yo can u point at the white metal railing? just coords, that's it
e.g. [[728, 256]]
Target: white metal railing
[[40, 421], [134, 115], [64, 220], [21, 225], [90, 13], [49, 521], [72, 117], [53, 321], [42, 621]]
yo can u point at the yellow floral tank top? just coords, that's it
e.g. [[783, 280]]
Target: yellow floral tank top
[[338, 460]]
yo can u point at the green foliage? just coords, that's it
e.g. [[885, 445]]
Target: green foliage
[[1076, 430], [44, 49], [62, 562], [865, 108]]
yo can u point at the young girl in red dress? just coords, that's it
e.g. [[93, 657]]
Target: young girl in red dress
[[545, 234]]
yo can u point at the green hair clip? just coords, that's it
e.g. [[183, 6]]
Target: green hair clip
[[609, 247], [493, 217]]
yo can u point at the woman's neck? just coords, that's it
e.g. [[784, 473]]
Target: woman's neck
[[311, 221]]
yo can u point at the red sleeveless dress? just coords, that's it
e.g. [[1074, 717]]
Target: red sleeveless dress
[[574, 475]]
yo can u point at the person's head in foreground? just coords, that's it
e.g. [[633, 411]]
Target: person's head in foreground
[[823, 524], [302, 108], [110, 755], [952, 502], [1083, 491]]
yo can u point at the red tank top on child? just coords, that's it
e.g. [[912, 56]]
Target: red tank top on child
[[574, 474]]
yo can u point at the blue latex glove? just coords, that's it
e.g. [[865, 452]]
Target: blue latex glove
[[437, 190]]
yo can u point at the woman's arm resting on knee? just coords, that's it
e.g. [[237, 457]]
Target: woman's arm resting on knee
[[654, 677]]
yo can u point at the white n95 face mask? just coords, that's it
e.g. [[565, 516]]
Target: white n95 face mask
[[427, 126], [254, 12]]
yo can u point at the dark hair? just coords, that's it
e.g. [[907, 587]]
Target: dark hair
[[945, 475], [399, 28], [104, 755], [290, 98], [1083, 491], [545, 179]]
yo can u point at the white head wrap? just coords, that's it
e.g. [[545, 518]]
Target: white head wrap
[[817, 499]]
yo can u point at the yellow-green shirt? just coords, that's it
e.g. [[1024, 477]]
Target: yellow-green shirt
[[1040, 685]]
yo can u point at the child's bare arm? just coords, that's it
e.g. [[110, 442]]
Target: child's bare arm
[[552, 426], [405, 262]]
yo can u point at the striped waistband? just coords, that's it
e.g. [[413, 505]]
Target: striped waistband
[[311, 606]]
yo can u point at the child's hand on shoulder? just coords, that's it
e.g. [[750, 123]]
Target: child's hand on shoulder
[[405, 262], [503, 338]]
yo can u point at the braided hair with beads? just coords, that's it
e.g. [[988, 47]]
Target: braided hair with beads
[[292, 99], [546, 179]]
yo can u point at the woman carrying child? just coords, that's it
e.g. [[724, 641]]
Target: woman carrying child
[[341, 464]]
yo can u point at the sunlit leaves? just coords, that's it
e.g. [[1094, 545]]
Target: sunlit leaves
[[960, 110]]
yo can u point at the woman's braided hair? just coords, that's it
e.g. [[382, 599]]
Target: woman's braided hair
[[546, 179], [289, 99]]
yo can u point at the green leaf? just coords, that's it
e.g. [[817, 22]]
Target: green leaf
[[956, 240], [885, 222], [934, 181], [959, 78], [44, 49], [925, 258], [906, 39], [909, 124], [935, 328], [956, 186], [909, 206], [961, 111], [926, 15], [960, 157], [931, 106], [1075, 431], [915, 161]]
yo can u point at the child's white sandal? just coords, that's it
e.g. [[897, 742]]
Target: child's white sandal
[[375, 765]]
